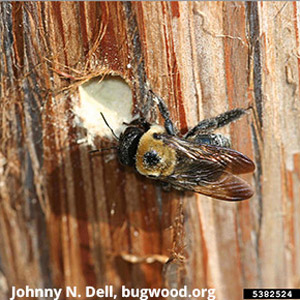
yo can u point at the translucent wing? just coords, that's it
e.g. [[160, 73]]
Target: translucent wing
[[209, 170]]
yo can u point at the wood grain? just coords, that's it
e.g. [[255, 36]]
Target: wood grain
[[69, 219]]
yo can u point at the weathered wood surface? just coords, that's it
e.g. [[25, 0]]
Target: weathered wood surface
[[69, 220]]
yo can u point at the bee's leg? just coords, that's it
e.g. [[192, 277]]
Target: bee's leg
[[214, 139], [164, 111], [209, 125], [166, 187]]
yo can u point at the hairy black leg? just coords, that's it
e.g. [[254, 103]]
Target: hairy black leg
[[209, 125], [147, 109], [214, 139], [164, 111]]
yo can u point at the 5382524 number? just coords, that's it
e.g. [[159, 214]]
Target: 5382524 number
[[271, 294]]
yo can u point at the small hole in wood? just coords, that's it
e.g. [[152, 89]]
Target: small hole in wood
[[110, 95]]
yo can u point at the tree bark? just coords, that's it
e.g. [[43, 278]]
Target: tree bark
[[67, 219]]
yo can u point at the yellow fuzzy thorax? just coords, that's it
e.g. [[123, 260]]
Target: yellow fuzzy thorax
[[166, 155]]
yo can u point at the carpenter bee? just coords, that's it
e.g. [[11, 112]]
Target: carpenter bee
[[200, 161]]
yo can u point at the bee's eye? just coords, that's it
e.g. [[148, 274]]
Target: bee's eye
[[151, 158]]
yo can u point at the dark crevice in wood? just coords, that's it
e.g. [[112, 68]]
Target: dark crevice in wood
[[137, 58], [255, 47]]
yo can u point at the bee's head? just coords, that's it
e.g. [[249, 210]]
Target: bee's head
[[128, 143]]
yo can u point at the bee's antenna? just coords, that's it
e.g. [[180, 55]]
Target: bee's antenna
[[108, 126]]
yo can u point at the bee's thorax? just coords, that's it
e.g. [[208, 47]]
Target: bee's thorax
[[153, 157]]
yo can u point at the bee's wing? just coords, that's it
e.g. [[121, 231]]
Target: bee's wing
[[225, 186], [209, 170]]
